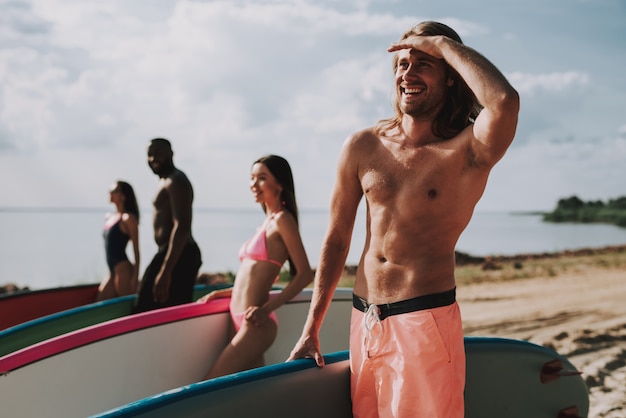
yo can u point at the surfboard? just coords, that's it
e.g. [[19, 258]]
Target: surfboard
[[106, 365], [31, 332], [505, 379], [512, 378], [22, 306], [293, 389]]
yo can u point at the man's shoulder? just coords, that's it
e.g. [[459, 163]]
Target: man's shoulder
[[177, 180], [178, 176], [367, 135]]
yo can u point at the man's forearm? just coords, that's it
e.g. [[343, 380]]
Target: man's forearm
[[482, 77], [332, 263], [177, 242]]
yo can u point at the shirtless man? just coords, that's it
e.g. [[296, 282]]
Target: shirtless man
[[422, 173], [171, 276]]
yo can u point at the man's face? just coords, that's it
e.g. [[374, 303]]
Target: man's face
[[159, 158], [421, 83]]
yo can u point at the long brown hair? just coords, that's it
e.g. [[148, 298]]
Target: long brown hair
[[461, 106], [281, 170], [130, 201]]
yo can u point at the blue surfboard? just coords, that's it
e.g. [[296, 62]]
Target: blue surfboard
[[505, 379]]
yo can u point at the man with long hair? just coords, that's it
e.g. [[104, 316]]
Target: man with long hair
[[422, 173]]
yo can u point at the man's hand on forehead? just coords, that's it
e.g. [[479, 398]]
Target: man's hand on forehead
[[426, 44]]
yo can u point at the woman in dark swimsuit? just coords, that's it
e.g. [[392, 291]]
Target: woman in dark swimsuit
[[278, 239], [119, 228]]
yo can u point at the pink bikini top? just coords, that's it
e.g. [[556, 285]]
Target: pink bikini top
[[256, 247]]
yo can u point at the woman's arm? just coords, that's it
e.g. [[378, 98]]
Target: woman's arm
[[216, 294], [288, 229], [132, 226]]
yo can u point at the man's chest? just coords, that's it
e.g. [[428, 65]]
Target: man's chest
[[415, 175]]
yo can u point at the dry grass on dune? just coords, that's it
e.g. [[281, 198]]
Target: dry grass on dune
[[527, 266]]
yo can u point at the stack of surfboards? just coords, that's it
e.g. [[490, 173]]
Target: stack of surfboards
[[150, 365], [73, 314], [105, 365]]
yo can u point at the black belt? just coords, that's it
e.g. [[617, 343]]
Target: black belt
[[418, 303]]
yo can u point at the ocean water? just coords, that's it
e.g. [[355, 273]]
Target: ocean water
[[49, 248]]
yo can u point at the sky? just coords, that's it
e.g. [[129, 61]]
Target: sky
[[85, 84]]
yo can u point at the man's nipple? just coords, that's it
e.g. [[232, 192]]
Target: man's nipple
[[432, 193]]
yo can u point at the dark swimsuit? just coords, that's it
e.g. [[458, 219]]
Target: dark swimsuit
[[183, 279], [115, 245]]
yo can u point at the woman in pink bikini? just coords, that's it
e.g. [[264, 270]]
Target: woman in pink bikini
[[277, 240], [119, 228]]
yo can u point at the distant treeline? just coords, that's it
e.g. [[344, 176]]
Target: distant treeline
[[573, 209]]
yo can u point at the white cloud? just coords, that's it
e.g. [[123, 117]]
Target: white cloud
[[529, 83], [536, 175], [338, 98], [133, 71], [228, 81]]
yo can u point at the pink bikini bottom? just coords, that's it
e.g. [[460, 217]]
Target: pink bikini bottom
[[240, 317]]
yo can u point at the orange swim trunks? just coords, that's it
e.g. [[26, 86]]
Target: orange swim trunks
[[406, 362]]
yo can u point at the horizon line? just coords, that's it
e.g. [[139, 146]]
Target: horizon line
[[40, 209]]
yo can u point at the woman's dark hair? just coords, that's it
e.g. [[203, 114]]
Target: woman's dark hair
[[130, 201], [461, 106], [280, 169]]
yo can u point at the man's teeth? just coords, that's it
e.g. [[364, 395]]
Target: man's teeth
[[412, 91]]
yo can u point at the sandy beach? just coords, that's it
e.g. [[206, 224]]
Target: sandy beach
[[576, 304]]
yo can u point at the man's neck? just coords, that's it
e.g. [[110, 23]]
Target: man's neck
[[417, 131], [167, 172]]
